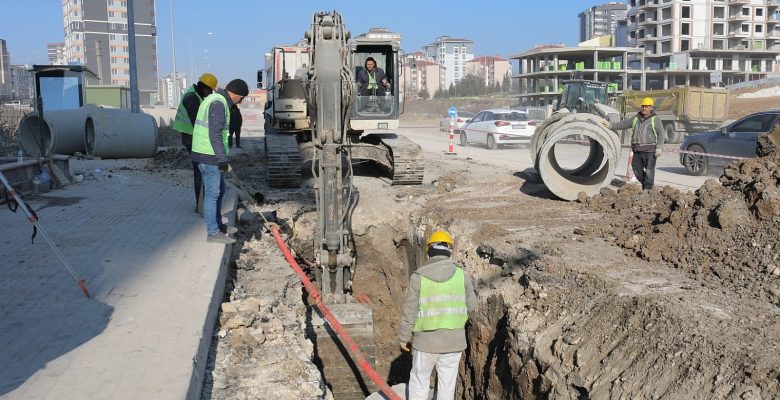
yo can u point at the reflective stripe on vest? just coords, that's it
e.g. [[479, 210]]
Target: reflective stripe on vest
[[200, 134], [442, 304], [372, 81], [652, 123], [182, 122]]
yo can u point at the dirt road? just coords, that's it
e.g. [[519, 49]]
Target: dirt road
[[570, 308]]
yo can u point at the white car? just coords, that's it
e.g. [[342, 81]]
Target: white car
[[497, 127], [462, 118]]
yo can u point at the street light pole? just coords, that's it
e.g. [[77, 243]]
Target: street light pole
[[192, 70], [176, 91]]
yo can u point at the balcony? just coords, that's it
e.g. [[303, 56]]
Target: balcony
[[651, 4], [739, 34], [737, 2], [739, 17]]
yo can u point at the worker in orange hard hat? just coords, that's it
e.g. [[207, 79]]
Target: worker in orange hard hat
[[185, 120], [647, 140], [438, 300]]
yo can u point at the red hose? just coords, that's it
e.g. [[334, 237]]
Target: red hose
[[346, 340]]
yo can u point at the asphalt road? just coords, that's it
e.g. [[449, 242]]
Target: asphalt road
[[669, 171]]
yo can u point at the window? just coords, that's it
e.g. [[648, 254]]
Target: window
[[455, 50], [759, 28], [685, 44], [685, 28], [745, 28], [112, 37], [686, 11], [720, 12], [759, 12], [746, 11], [756, 123]]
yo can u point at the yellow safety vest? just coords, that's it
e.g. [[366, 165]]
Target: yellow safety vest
[[182, 122], [372, 80], [652, 123], [442, 304], [200, 134]]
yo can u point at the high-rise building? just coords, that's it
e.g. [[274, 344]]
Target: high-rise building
[[5, 71], [684, 40], [22, 83], [96, 36], [451, 54], [170, 90], [56, 52], [601, 20]]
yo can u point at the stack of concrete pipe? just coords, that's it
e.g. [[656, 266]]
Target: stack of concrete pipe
[[598, 168], [99, 132]]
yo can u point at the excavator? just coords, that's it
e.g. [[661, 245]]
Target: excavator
[[316, 120]]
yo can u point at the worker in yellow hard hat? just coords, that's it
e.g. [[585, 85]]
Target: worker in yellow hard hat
[[647, 140], [438, 300], [185, 120]]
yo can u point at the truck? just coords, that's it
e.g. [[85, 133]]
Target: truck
[[285, 67], [682, 110]]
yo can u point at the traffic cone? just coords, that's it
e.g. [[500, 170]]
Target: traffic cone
[[451, 148]]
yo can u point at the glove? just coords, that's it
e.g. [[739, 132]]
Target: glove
[[657, 152], [405, 347], [224, 167]]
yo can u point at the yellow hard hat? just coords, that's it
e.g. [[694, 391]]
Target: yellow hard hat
[[439, 237], [209, 79], [648, 102]]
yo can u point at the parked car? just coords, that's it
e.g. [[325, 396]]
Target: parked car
[[737, 139], [498, 127], [462, 119]]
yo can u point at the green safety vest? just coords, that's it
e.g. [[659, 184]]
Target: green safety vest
[[200, 134], [372, 80], [182, 122], [442, 304], [652, 123]]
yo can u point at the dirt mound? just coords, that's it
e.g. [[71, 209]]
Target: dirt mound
[[727, 231], [173, 158]]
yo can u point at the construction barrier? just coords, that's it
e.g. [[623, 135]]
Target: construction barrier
[[451, 148]]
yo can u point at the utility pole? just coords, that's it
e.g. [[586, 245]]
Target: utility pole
[[134, 101], [98, 54]]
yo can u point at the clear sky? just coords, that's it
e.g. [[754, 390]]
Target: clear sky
[[243, 30]]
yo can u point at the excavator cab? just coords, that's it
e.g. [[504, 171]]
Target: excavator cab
[[579, 95], [376, 108]]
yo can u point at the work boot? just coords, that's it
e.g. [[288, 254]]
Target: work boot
[[220, 238]]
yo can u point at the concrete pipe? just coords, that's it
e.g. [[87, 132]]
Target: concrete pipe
[[59, 132], [116, 133], [594, 172]]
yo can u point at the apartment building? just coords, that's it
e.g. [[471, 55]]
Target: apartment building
[[420, 76], [56, 53], [451, 54], [22, 83], [5, 71], [96, 36], [601, 20], [170, 89], [492, 68], [685, 40]]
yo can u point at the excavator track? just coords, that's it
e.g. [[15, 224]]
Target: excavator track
[[408, 161], [284, 160]]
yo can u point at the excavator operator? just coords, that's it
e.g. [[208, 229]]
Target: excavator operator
[[372, 80]]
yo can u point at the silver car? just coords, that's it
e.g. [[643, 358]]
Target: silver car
[[497, 127], [462, 118]]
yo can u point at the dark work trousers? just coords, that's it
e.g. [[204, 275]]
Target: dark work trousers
[[197, 180], [237, 132], [644, 168], [222, 226]]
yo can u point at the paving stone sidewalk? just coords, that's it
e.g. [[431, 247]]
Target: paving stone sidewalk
[[156, 286]]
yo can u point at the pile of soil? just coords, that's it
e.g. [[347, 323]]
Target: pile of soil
[[172, 158], [727, 231]]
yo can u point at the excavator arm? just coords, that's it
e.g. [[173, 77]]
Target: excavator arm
[[331, 96]]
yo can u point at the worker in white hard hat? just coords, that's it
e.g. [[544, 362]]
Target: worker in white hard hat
[[647, 140], [438, 301]]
